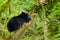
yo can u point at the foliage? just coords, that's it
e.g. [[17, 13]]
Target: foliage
[[35, 31]]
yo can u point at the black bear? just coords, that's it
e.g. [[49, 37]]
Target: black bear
[[16, 22]]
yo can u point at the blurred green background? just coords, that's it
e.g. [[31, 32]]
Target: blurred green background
[[35, 31]]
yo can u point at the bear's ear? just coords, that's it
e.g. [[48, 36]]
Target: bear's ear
[[23, 12]]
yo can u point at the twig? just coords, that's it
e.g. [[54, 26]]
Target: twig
[[44, 23]]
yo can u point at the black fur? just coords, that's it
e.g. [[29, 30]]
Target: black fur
[[16, 22]]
